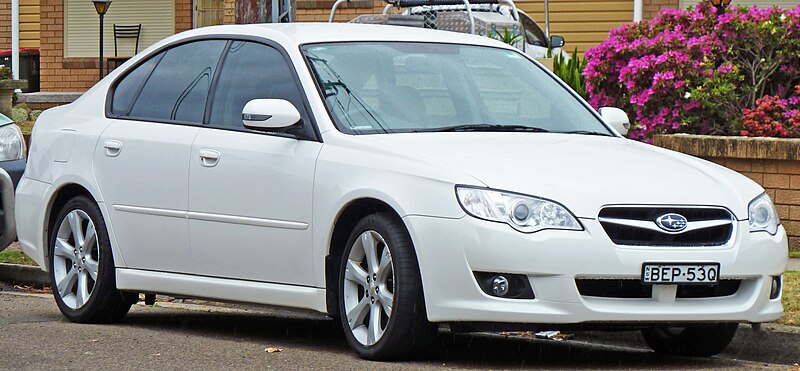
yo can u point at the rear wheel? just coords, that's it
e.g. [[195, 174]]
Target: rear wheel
[[82, 267], [697, 341], [380, 291]]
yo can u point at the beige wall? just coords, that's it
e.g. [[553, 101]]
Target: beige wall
[[583, 24], [28, 24], [5, 24], [81, 23]]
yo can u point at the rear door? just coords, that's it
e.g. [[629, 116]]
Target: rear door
[[250, 193], [142, 159]]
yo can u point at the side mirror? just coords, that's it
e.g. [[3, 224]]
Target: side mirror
[[556, 41], [616, 118], [269, 114]]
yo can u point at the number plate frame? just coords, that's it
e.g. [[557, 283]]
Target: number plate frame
[[683, 270]]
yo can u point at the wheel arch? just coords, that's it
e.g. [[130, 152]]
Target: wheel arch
[[346, 220], [57, 200]]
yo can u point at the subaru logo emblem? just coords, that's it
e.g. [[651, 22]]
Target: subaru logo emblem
[[671, 222]]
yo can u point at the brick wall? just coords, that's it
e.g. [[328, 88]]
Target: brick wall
[[183, 15], [651, 8], [774, 163], [78, 74], [57, 73], [5, 24]]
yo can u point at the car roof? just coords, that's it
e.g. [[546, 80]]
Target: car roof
[[4, 119], [293, 34]]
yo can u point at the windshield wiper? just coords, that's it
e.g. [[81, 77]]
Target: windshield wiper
[[485, 127], [584, 132]]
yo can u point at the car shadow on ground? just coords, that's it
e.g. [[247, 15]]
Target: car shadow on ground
[[452, 350]]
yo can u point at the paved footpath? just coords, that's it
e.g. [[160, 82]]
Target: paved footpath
[[34, 336]]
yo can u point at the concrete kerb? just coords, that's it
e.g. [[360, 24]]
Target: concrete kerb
[[24, 275]]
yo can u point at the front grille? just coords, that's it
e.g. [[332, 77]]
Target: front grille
[[635, 289], [624, 226]]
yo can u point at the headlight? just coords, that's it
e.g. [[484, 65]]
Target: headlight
[[523, 213], [12, 146], [762, 215]]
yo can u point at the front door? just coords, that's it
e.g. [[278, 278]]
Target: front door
[[250, 192]]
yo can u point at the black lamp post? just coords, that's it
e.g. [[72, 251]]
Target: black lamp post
[[720, 5], [101, 6]]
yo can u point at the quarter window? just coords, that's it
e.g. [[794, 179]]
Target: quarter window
[[251, 71], [178, 88]]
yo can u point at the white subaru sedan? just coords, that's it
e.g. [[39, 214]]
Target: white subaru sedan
[[397, 179]]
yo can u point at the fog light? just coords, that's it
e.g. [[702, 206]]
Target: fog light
[[500, 286], [505, 285], [775, 290]]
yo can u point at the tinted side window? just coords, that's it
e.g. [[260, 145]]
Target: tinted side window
[[533, 34], [252, 71], [178, 88], [125, 92]]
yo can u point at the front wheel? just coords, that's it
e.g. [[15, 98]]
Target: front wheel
[[81, 265], [380, 291], [697, 341]]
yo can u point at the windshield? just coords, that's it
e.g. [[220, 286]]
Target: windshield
[[397, 87]]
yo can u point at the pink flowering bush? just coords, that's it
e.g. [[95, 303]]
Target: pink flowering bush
[[693, 71], [773, 117]]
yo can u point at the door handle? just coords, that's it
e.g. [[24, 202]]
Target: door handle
[[113, 147], [209, 157]]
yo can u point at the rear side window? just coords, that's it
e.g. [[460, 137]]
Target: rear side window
[[251, 71], [178, 87], [129, 87]]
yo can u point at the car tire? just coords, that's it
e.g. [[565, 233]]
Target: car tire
[[383, 311], [82, 274], [695, 341]]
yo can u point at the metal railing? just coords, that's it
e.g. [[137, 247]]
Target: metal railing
[[418, 3]]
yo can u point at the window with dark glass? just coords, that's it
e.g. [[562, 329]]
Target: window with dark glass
[[251, 71], [129, 86], [178, 88]]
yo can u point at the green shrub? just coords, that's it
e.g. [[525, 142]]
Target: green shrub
[[5, 73], [571, 71], [508, 37], [35, 114], [19, 114]]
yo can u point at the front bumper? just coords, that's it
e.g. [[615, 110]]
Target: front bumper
[[8, 227], [450, 250]]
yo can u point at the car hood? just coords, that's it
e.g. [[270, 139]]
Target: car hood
[[582, 172]]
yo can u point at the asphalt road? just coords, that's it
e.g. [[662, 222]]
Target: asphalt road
[[34, 335]]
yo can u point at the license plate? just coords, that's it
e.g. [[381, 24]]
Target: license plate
[[671, 273]]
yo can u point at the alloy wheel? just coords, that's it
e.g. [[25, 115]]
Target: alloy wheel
[[76, 257], [369, 287]]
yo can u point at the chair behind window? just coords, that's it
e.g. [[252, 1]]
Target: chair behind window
[[127, 32]]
